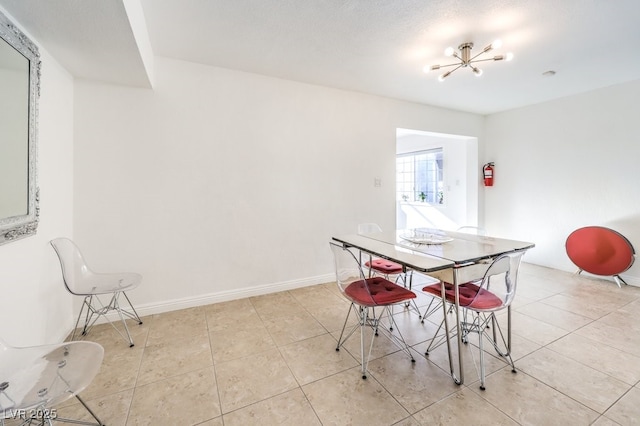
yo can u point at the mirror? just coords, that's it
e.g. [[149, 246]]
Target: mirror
[[19, 92]]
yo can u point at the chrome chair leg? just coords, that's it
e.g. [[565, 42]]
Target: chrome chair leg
[[81, 422], [133, 315], [88, 320], [399, 341], [93, 313], [363, 361], [481, 346], [411, 304], [116, 305], [618, 279], [372, 320], [84, 303], [100, 423], [481, 326], [341, 340]]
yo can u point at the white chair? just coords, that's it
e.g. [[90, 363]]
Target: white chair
[[80, 280], [33, 380], [371, 299]]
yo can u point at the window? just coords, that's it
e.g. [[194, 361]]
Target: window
[[419, 176]]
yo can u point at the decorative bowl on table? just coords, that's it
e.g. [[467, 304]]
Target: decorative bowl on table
[[426, 236]]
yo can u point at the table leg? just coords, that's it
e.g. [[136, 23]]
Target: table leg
[[458, 329], [447, 329]]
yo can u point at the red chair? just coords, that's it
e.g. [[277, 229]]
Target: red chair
[[366, 294], [483, 299], [600, 251]]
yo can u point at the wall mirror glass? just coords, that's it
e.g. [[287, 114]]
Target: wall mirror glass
[[19, 92]]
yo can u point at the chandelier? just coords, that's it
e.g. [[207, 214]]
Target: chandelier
[[467, 61]]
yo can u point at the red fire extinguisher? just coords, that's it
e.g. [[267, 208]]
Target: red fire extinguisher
[[487, 171]]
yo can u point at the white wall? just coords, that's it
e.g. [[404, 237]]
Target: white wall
[[565, 164], [218, 182], [36, 308]]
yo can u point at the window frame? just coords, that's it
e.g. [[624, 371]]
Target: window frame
[[434, 197]]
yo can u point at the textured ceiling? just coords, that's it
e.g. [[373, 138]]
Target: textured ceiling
[[371, 46], [91, 39]]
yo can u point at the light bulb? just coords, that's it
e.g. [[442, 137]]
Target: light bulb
[[448, 51], [509, 56], [497, 44], [441, 77], [477, 71]]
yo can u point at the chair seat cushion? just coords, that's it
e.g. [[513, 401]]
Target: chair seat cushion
[[467, 293], [385, 266], [380, 292]]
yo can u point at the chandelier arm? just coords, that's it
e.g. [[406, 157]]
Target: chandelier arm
[[483, 60], [456, 68], [481, 53], [452, 65]]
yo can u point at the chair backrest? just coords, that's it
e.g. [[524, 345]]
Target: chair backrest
[[367, 228], [74, 268], [600, 251], [500, 279], [349, 271]]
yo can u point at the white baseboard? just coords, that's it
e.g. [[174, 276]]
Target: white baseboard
[[224, 296], [221, 296]]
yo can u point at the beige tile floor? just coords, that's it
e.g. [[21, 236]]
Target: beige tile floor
[[271, 360]]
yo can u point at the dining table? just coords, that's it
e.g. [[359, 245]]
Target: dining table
[[449, 256]]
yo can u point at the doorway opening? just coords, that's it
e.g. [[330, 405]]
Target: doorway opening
[[437, 179]]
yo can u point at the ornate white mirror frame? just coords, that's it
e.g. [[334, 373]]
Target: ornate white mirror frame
[[14, 227]]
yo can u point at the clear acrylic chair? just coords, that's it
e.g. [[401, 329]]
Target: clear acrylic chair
[[392, 271], [479, 303], [33, 380], [388, 269], [371, 299], [80, 280], [436, 303]]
